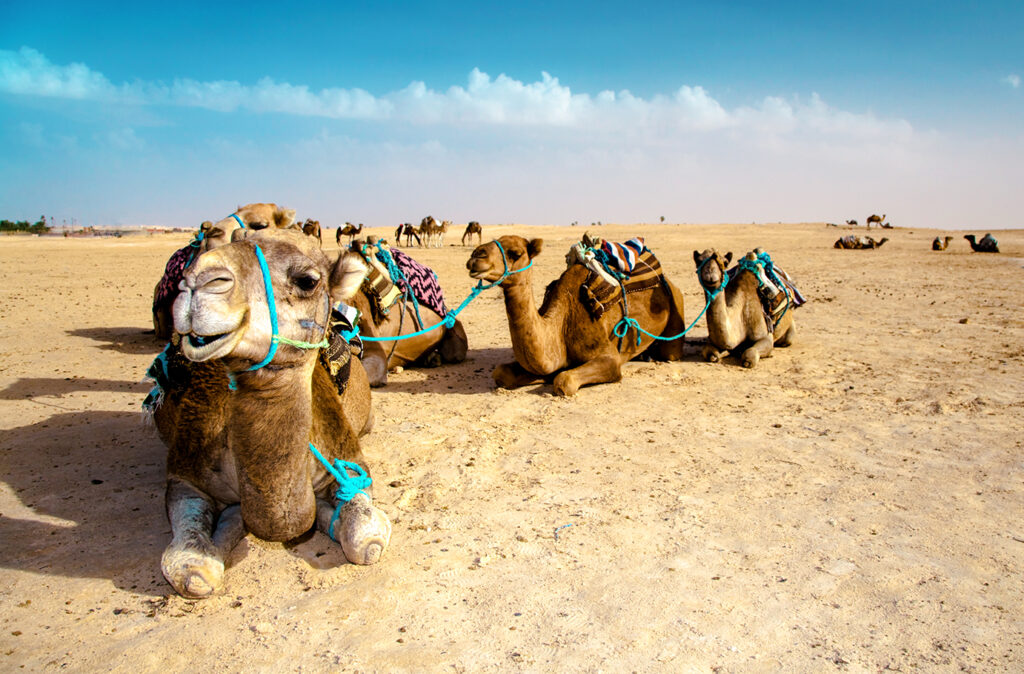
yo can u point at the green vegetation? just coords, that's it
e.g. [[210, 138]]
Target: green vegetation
[[24, 226]]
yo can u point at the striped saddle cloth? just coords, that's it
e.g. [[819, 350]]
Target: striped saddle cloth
[[615, 268]]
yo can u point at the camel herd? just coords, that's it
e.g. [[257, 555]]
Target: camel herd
[[265, 385]]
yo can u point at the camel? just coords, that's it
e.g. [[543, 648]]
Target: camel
[[941, 243], [854, 242], [852, 223], [735, 315], [875, 218], [988, 244], [471, 229], [242, 460], [349, 230], [432, 231], [312, 228], [440, 345], [211, 235], [409, 232], [561, 343]]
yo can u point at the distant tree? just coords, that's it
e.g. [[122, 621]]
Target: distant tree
[[663, 218]]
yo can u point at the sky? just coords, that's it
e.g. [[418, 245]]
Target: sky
[[532, 112]]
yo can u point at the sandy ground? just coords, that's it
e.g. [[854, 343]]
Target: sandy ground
[[853, 503]]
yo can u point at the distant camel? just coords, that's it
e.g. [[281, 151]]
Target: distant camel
[[941, 243], [986, 245], [409, 232], [312, 228], [875, 218], [851, 222], [471, 229], [349, 230], [854, 242]]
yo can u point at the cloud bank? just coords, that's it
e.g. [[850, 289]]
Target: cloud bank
[[484, 101]]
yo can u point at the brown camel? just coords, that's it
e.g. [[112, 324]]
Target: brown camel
[[879, 219], [852, 223], [349, 230], [409, 232], [854, 242], [735, 315], [432, 231], [987, 244], [440, 345], [211, 235], [561, 342], [471, 229], [941, 243], [312, 228], [241, 460]]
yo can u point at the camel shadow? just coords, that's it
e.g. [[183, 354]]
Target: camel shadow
[[86, 493], [52, 386], [130, 340], [472, 375]]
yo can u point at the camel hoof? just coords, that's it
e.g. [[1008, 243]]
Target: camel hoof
[[363, 530], [193, 575], [565, 385], [748, 363]]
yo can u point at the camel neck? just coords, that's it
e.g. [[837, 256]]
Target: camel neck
[[532, 344]]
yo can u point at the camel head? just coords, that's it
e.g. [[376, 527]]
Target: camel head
[[969, 237], [486, 262], [711, 267], [255, 216], [222, 309]]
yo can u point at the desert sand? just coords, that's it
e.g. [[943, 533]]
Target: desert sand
[[855, 502]]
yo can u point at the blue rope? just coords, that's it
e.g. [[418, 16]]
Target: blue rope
[[235, 216], [397, 274], [348, 485], [625, 323], [449, 320]]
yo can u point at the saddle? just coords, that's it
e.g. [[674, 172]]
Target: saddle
[[615, 270]]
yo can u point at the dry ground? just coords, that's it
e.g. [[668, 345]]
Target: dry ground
[[853, 503]]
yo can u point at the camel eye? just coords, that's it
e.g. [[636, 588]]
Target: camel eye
[[257, 225], [306, 282]]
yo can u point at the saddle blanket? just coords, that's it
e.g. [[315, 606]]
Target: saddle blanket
[[167, 288], [422, 281], [600, 289]]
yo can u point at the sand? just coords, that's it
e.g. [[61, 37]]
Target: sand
[[854, 503]]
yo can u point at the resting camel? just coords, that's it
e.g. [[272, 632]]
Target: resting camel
[[735, 316], [852, 223], [988, 244], [854, 242], [471, 229], [409, 232], [561, 342], [876, 219], [349, 230], [241, 461], [440, 345], [211, 235], [941, 243]]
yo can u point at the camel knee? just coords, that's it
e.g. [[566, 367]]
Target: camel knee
[[454, 344]]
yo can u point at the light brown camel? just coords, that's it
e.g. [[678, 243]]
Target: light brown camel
[[987, 244], [854, 242], [438, 346], [432, 231], [349, 230], [241, 461], [561, 342], [879, 219], [211, 235], [735, 315], [471, 229], [941, 243]]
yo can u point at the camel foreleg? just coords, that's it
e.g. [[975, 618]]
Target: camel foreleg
[[375, 362], [362, 529], [788, 336], [601, 370], [193, 563], [761, 348], [712, 353], [513, 375]]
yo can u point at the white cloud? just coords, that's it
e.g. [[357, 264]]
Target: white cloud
[[1013, 80], [484, 101]]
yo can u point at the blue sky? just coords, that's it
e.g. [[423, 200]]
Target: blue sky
[[124, 113]]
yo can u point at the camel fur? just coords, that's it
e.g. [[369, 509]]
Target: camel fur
[[735, 316], [560, 342], [239, 461], [853, 242], [471, 229], [941, 243]]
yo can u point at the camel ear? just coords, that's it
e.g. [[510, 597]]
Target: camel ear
[[533, 247], [284, 216], [728, 258], [696, 257], [346, 276]]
